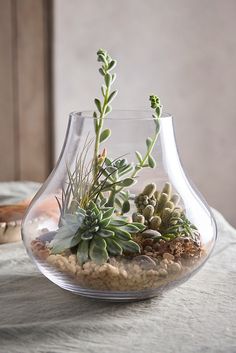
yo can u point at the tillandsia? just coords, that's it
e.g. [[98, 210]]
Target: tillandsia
[[97, 195]]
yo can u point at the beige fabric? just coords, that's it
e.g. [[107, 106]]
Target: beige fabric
[[199, 316]]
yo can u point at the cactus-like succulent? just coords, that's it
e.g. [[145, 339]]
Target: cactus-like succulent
[[157, 207], [159, 211], [146, 198], [96, 234]]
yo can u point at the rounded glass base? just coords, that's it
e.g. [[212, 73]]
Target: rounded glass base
[[121, 231]]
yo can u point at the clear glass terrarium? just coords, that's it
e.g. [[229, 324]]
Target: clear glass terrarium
[[125, 224]]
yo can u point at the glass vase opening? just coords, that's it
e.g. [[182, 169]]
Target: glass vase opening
[[120, 227]]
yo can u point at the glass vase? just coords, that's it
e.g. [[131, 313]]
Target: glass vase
[[126, 224]]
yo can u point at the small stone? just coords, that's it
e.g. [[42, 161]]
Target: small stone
[[168, 256], [162, 272], [113, 270], [187, 240], [112, 261], [174, 267], [150, 233], [150, 254], [163, 264], [148, 241], [46, 237], [124, 273], [156, 246], [145, 262], [87, 265], [148, 248], [102, 269]]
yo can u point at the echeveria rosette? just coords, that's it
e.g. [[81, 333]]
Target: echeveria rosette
[[96, 234]]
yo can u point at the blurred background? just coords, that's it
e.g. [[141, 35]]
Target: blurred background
[[182, 50]]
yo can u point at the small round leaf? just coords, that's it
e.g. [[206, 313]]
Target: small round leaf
[[105, 135], [151, 162]]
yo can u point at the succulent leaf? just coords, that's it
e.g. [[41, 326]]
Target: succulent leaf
[[108, 213], [105, 233], [105, 135], [139, 156], [118, 222], [97, 251], [131, 228], [82, 251], [121, 233], [151, 162], [60, 245], [129, 246], [125, 207], [113, 247]]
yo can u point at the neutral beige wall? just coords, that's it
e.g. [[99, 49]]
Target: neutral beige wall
[[185, 50]]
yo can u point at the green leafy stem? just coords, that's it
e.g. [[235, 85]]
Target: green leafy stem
[[117, 192], [148, 160], [103, 108]]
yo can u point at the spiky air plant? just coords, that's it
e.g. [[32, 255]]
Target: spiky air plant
[[78, 187], [95, 234]]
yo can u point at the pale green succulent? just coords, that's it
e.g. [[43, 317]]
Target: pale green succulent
[[96, 234], [157, 207], [160, 211]]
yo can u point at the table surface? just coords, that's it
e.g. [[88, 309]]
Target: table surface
[[199, 316]]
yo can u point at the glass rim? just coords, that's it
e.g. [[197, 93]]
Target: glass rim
[[141, 114]]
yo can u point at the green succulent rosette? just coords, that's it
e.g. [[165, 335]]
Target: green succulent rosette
[[96, 234]]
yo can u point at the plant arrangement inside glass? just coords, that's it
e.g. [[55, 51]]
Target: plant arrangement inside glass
[[117, 218]]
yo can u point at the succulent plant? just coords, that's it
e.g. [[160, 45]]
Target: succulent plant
[[160, 212], [157, 207], [180, 226], [103, 108], [148, 160], [96, 234]]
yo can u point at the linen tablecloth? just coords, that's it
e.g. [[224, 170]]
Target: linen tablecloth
[[199, 316]]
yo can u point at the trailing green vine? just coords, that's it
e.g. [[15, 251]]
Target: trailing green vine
[[103, 108], [148, 160]]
